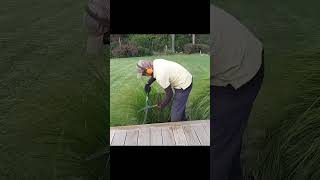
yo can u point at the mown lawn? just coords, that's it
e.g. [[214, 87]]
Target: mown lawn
[[127, 93]]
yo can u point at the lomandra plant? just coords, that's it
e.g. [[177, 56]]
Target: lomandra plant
[[154, 115], [200, 106], [293, 147]]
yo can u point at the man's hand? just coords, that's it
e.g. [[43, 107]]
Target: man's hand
[[166, 100], [159, 107], [147, 88]]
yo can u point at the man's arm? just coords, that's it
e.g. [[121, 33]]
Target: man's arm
[[147, 87], [166, 100], [151, 80]]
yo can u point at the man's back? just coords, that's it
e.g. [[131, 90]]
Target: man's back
[[171, 73], [235, 52]]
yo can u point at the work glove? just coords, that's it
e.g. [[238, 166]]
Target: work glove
[[147, 88]]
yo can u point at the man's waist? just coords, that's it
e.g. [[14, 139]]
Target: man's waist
[[183, 89], [183, 85], [237, 80]]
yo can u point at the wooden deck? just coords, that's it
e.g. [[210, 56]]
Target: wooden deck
[[186, 133]]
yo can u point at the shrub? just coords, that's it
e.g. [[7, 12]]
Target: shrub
[[144, 51], [189, 48], [180, 41], [195, 48], [169, 52], [204, 48], [153, 42], [126, 50]]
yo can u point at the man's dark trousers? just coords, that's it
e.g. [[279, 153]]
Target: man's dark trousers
[[178, 110], [230, 113]]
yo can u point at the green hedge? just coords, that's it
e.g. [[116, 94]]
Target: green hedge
[[195, 48], [126, 50]]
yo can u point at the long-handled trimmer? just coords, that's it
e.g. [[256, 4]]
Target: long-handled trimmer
[[146, 108]]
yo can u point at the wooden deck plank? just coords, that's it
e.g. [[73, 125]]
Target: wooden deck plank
[[111, 135], [190, 133], [180, 123], [119, 137], [132, 138], [156, 136], [167, 136], [201, 134], [144, 137], [179, 135], [191, 136], [206, 127]]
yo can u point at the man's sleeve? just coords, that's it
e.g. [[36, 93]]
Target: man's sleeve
[[151, 80]]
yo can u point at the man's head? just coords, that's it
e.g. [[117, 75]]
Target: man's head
[[97, 20], [145, 68]]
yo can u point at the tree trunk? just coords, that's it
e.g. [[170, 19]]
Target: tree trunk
[[172, 42], [119, 41], [193, 39]]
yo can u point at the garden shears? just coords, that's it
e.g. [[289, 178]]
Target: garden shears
[[146, 108]]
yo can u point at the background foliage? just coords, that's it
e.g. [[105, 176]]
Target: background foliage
[[131, 45]]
